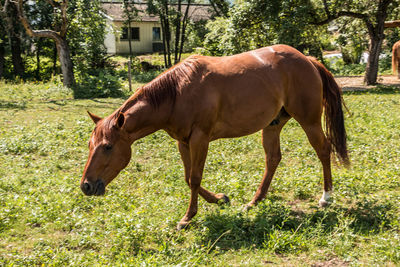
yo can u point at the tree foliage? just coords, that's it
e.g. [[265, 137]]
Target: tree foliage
[[86, 33], [352, 39], [300, 23], [256, 23], [373, 15]]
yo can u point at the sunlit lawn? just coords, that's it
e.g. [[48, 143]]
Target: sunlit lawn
[[45, 218]]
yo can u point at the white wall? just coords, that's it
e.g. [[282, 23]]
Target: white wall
[[145, 45], [109, 40]]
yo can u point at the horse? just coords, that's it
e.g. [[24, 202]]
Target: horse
[[395, 59], [205, 98]]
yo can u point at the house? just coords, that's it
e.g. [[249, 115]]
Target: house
[[146, 32]]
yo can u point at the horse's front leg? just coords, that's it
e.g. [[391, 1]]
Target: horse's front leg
[[198, 147], [210, 197]]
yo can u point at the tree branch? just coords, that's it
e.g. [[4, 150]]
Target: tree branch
[[64, 24], [331, 17], [33, 33]]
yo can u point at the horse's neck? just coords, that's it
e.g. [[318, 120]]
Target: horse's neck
[[142, 119]]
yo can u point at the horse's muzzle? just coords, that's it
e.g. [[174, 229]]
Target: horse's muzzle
[[97, 188]]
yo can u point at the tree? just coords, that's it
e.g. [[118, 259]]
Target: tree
[[221, 7], [161, 8], [2, 47], [2, 52], [372, 13], [58, 34], [42, 15], [8, 14], [86, 34], [257, 23], [130, 12], [180, 24], [352, 39], [178, 13]]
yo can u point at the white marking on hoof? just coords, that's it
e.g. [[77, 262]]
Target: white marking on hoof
[[325, 199]]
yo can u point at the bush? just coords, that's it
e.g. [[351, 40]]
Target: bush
[[98, 83], [338, 67]]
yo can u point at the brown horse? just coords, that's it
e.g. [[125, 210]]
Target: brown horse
[[206, 98], [395, 59]]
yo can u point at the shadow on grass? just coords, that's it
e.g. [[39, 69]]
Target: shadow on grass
[[12, 105], [278, 227]]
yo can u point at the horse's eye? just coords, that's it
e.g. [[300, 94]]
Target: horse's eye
[[107, 147]]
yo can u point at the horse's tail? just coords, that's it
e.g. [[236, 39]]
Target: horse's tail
[[334, 119], [395, 60]]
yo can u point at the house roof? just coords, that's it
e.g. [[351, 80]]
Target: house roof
[[114, 10]]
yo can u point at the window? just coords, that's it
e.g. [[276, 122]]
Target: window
[[156, 34], [135, 34]]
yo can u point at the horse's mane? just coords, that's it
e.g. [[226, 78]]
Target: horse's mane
[[166, 86]]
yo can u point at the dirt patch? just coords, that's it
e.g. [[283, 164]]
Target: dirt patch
[[351, 83]]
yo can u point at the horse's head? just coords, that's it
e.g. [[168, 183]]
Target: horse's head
[[109, 153]]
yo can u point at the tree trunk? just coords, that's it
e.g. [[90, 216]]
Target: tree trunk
[[38, 50], [16, 55], [130, 40], [183, 35], [167, 33], [2, 59], [130, 55], [377, 36], [371, 73], [168, 42], [58, 36], [164, 39], [9, 13], [375, 33], [177, 31], [55, 59], [65, 62]]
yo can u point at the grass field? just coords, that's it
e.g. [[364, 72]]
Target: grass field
[[46, 220]]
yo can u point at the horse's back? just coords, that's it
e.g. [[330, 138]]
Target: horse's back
[[241, 94], [265, 74]]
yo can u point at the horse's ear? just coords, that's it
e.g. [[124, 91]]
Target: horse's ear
[[94, 118], [120, 120]]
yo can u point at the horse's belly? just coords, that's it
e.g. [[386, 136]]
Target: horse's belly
[[241, 126]]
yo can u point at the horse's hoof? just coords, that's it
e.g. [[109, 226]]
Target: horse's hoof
[[248, 207], [182, 226], [326, 199], [223, 199], [323, 203]]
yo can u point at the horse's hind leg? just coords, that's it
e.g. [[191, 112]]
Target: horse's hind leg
[[322, 146], [207, 195], [271, 144]]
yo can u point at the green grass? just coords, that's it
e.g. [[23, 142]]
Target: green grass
[[46, 220]]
